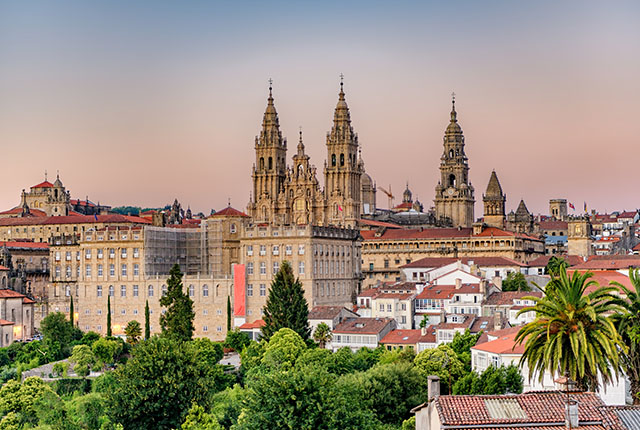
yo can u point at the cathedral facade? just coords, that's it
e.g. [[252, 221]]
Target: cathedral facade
[[291, 194]]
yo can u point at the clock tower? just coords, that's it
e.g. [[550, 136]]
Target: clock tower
[[454, 193]]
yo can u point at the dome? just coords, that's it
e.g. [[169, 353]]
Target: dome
[[366, 181]]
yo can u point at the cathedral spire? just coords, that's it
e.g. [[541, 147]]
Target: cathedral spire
[[270, 119], [300, 144]]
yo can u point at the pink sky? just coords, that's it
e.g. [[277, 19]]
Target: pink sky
[[141, 108]]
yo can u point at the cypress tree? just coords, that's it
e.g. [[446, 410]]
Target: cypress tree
[[228, 313], [177, 321], [109, 315], [286, 305], [147, 328], [71, 311]]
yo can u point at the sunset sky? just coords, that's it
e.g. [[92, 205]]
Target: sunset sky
[[138, 103]]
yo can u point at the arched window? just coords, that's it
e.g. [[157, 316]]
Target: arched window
[[341, 159], [457, 152], [333, 159], [300, 170], [451, 153], [261, 163], [192, 291], [150, 292], [111, 290], [233, 228], [270, 163], [205, 290], [264, 212], [452, 180]]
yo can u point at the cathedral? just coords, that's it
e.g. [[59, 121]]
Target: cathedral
[[291, 194]]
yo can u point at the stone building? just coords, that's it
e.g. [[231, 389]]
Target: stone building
[[579, 236], [558, 209], [494, 200], [16, 317], [454, 193], [521, 221]]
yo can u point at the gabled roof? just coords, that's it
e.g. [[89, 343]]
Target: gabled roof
[[608, 262], [363, 325], [326, 312], [435, 262], [3, 268], [5, 322], [253, 325], [542, 261], [502, 345], [27, 301], [405, 337], [229, 211], [45, 184], [502, 298], [373, 223], [6, 293], [18, 210], [74, 219]]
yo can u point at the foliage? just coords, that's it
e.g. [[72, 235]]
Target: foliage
[[71, 311], [398, 355], [147, 327], [89, 337], [21, 398], [127, 210], [572, 334], [88, 411], [158, 384], [198, 419], [462, 344], [177, 321], [283, 349], [84, 359], [251, 356], [210, 353], [228, 314], [133, 332], [60, 368], [409, 424], [227, 405], [56, 332], [106, 350], [515, 282], [109, 331], [286, 305], [494, 380], [441, 361], [424, 322], [555, 265], [50, 410], [322, 335], [628, 325], [236, 339]]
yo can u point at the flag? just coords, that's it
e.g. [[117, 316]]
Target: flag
[[340, 208], [572, 206], [95, 216]]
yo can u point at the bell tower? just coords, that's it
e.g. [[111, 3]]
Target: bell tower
[[342, 170], [494, 200], [269, 170], [454, 193]]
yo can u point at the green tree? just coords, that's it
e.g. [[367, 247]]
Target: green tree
[[236, 339], [461, 344], [555, 265], [443, 362], [572, 334], [322, 335], [106, 350], [198, 419], [283, 349], [494, 380], [147, 328], [133, 332], [628, 325], [21, 398], [177, 321], [89, 337], [208, 352], [227, 405], [515, 282], [84, 359], [88, 411], [71, 311], [56, 332], [286, 305], [228, 314], [109, 332], [158, 385]]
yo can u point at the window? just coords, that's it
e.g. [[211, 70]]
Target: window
[[389, 307], [112, 270], [249, 250], [99, 291], [112, 253], [99, 311], [263, 250], [123, 312], [135, 291], [381, 307], [263, 290], [164, 290], [87, 254], [386, 264], [205, 290], [67, 256], [99, 253], [87, 270], [135, 312], [300, 249], [276, 266], [205, 312], [263, 268], [136, 252], [205, 328], [111, 290], [370, 266], [301, 268], [68, 271], [495, 360], [123, 253], [276, 250], [123, 291], [403, 319], [136, 269], [124, 270], [250, 268], [57, 271], [288, 249], [99, 269], [249, 290], [57, 255], [192, 290], [150, 291]]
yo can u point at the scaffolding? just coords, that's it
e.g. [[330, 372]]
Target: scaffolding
[[166, 246]]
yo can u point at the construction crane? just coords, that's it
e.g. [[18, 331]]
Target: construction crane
[[389, 195]]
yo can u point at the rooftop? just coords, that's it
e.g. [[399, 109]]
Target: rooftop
[[363, 325], [434, 262]]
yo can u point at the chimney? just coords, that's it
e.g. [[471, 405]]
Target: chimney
[[571, 418], [459, 264], [423, 330], [497, 281], [433, 387], [458, 283], [497, 321]]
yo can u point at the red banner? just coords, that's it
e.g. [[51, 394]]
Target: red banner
[[238, 290]]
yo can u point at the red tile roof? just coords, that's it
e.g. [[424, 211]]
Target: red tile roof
[[410, 234], [434, 262], [405, 337], [18, 210], [4, 268], [45, 184], [494, 231], [554, 225], [608, 262], [502, 345], [507, 297], [27, 301], [6, 293], [539, 408], [74, 219], [373, 223], [325, 312], [544, 260], [252, 325], [229, 211], [363, 325], [5, 322], [441, 292], [637, 247]]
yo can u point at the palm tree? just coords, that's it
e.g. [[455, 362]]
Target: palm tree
[[322, 335], [573, 334], [628, 323], [133, 332], [555, 265]]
